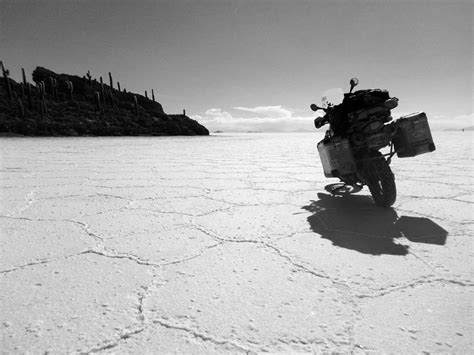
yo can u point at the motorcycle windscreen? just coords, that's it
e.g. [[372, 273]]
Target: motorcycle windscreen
[[332, 97]]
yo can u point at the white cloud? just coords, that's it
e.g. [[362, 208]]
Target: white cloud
[[268, 111], [277, 119], [218, 113], [280, 119]]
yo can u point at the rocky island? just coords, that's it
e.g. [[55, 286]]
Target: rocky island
[[71, 105]]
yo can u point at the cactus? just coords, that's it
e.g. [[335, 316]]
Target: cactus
[[43, 108], [89, 77], [30, 101], [102, 92], [9, 89], [112, 98], [51, 83], [118, 86], [54, 84], [152, 94], [40, 108], [97, 101], [70, 89], [184, 112], [42, 104], [24, 76], [6, 73], [55, 88], [146, 94], [41, 90], [135, 104], [111, 83], [21, 108]]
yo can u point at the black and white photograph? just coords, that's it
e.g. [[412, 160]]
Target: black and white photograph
[[236, 176]]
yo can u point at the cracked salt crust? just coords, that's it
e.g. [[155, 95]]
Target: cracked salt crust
[[70, 305], [412, 319], [229, 244], [27, 241], [260, 294]]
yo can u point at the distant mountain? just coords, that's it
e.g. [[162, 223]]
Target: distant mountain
[[70, 105]]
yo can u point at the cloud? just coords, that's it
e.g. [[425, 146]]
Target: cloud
[[217, 113], [276, 119], [268, 111], [280, 119]]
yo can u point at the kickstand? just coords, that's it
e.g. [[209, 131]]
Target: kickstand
[[349, 189], [337, 189]]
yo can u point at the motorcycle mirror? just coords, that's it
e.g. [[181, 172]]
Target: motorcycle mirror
[[315, 107], [354, 82]]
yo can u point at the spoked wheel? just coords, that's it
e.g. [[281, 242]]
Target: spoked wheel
[[381, 182]]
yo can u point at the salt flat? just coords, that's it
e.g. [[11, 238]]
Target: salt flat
[[230, 243]]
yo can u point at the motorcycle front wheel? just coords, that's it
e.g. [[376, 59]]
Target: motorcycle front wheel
[[381, 182]]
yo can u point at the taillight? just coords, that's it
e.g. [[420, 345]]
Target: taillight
[[391, 103]]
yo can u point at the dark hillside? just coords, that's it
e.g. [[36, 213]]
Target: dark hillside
[[70, 105]]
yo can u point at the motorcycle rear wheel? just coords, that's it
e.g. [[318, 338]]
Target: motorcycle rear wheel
[[381, 182]]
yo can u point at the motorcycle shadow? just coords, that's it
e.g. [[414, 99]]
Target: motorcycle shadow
[[354, 222]]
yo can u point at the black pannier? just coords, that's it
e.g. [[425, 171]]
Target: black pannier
[[364, 99]]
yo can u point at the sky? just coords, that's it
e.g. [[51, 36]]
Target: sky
[[240, 65]]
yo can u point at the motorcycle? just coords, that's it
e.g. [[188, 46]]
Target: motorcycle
[[360, 126]]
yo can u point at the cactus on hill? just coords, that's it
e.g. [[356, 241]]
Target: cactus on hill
[[6, 79], [77, 100], [23, 75], [70, 89], [98, 103]]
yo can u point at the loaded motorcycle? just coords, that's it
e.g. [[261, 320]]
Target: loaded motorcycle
[[360, 126]]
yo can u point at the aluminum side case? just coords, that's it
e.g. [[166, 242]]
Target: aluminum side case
[[337, 157], [413, 136]]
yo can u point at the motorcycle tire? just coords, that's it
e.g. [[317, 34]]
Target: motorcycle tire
[[381, 182]]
